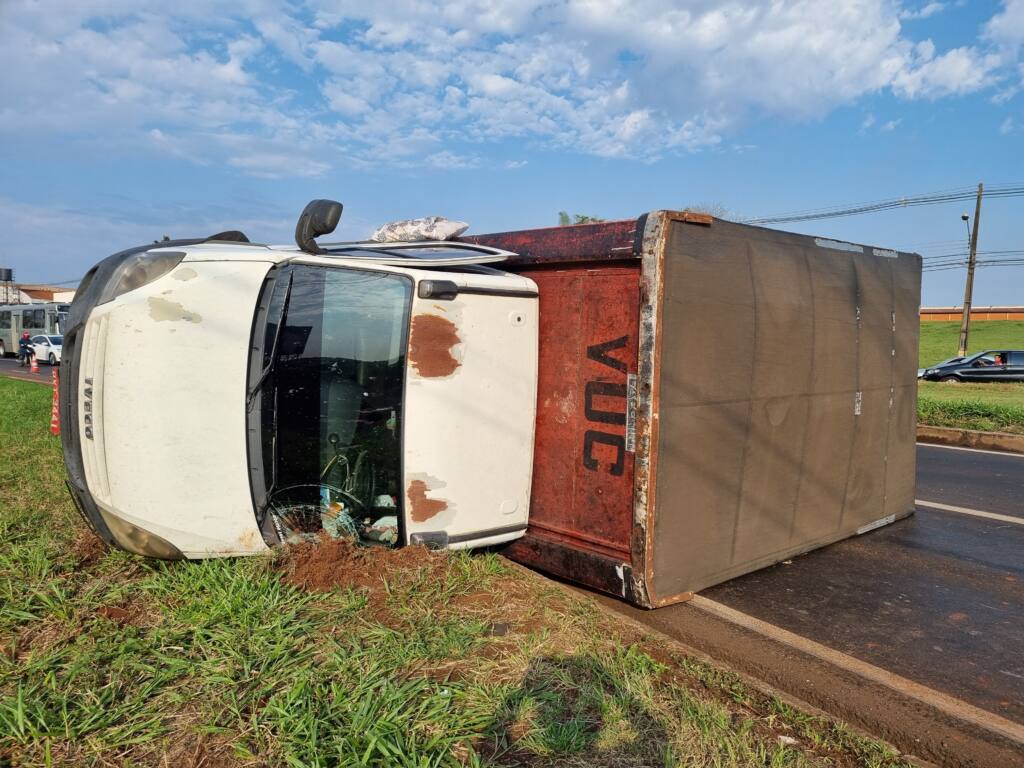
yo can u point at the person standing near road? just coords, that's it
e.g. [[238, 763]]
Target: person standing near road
[[25, 350]]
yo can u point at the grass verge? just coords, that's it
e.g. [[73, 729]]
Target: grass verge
[[987, 407], [433, 660], [939, 340]]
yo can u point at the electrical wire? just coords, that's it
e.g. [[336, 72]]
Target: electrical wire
[[930, 198]]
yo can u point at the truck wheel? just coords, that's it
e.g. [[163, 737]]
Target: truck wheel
[[950, 380]]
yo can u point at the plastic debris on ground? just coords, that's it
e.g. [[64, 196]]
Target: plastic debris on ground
[[416, 230]]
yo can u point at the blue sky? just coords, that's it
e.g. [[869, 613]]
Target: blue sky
[[123, 120]]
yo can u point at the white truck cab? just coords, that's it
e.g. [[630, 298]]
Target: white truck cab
[[220, 397]]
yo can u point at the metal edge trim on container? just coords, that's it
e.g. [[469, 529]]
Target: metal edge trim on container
[[652, 255]]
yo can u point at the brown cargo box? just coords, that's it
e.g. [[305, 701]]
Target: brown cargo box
[[713, 398]]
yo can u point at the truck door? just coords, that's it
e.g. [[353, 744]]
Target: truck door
[[470, 408]]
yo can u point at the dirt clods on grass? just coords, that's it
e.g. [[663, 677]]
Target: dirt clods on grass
[[338, 563], [88, 548]]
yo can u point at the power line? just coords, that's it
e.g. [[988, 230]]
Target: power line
[[931, 198]]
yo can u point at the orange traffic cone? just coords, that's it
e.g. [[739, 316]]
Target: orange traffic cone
[[55, 409], [35, 365]]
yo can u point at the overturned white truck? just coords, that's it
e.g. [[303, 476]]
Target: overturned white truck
[[221, 396], [646, 407]]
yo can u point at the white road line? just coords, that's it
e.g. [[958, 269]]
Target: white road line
[[971, 512], [940, 701], [972, 450]]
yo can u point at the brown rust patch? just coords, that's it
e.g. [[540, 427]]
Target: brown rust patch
[[430, 346], [423, 508]]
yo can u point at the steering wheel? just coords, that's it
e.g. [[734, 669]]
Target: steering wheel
[[353, 501]]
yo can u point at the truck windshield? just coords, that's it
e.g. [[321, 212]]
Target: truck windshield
[[330, 412]]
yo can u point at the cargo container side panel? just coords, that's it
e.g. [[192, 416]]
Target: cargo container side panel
[[865, 490], [706, 378], [834, 379], [901, 474], [819, 504], [785, 446], [780, 403], [710, 315]]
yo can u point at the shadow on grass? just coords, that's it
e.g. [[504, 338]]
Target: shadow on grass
[[585, 709]]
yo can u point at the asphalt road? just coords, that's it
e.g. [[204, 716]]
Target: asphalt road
[[9, 367], [937, 598]]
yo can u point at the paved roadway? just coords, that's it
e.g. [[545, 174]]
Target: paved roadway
[[937, 598], [9, 367]]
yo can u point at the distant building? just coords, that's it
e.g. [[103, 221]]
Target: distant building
[[29, 293], [977, 313]]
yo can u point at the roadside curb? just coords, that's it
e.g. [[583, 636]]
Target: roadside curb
[[970, 438]]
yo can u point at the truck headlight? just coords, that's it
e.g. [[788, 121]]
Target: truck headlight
[[135, 271]]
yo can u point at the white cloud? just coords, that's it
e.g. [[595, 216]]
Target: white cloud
[[923, 12], [891, 125], [954, 73], [1007, 27], [279, 90], [1008, 126]]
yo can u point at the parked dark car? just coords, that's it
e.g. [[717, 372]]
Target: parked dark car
[[996, 365]]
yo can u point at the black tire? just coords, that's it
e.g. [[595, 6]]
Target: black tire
[[950, 379], [52, 359]]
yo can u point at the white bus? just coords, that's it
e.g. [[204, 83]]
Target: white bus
[[42, 319]]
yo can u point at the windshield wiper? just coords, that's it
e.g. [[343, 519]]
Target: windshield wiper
[[269, 369]]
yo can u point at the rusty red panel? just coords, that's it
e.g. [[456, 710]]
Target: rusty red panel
[[607, 241], [582, 490]]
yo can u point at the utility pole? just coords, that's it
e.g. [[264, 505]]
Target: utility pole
[[965, 325]]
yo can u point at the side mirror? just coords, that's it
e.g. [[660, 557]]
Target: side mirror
[[320, 217]]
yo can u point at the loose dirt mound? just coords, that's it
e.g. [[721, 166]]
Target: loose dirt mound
[[88, 548], [330, 564]]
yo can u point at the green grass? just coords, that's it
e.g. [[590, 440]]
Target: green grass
[[939, 340], [115, 660], [987, 407]]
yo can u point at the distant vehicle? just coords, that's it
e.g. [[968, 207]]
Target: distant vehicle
[[947, 361], [994, 365], [48, 348], [43, 318]]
